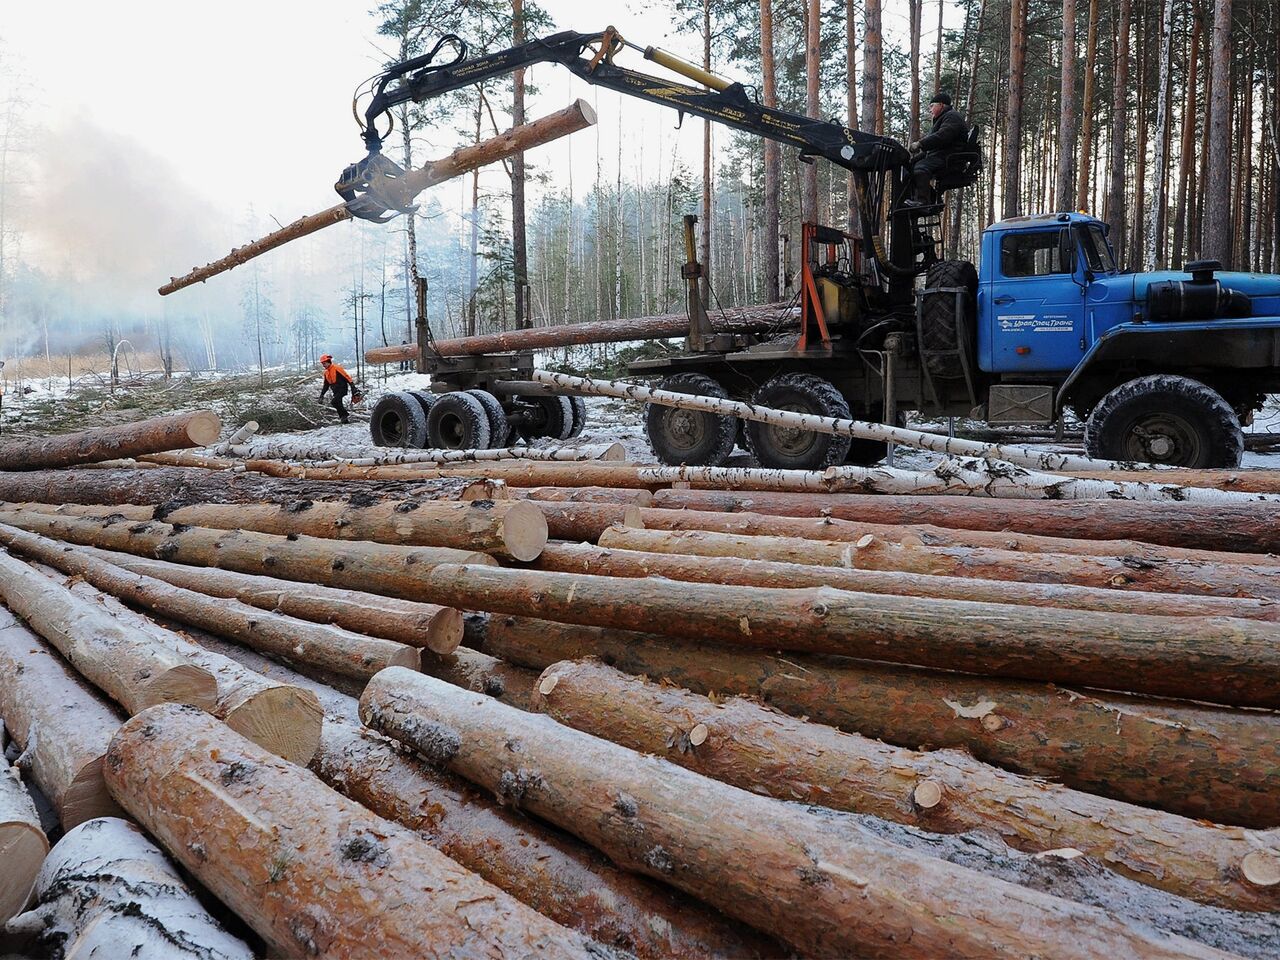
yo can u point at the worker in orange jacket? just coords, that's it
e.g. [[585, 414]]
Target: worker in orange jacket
[[339, 382]]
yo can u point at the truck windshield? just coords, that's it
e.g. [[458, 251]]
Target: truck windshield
[[1097, 254]]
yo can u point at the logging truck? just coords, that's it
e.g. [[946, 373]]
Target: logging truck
[[1160, 367]]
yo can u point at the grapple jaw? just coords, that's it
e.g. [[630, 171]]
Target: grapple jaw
[[374, 189]]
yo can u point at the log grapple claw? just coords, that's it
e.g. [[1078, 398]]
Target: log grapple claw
[[374, 189]]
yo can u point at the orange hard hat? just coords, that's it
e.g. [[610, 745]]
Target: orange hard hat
[[326, 358]]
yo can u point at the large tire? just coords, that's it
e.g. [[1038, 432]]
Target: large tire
[[689, 437], [790, 448], [499, 429], [398, 420], [426, 398], [1165, 419], [579, 405], [554, 420], [939, 321], [458, 422]]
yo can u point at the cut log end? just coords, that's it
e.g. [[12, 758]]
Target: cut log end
[[22, 849], [286, 720], [407, 656], [444, 631], [181, 684], [698, 735], [1261, 868], [927, 794], [615, 451], [547, 684], [204, 428], [87, 797], [524, 531]]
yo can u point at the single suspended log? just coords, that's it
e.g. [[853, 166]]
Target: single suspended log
[[174, 485], [512, 529], [612, 562], [585, 521], [311, 871], [572, 118], [426, 625], [1124, 572], [287, 723], [61, 723], [1199, 761], [175, 431], [376, 567], [1243, 481], [823, 885], [277, 717], [485, 674], [134, 671], [750, 746], [23, 844], [1242, 527], [917, 534], [760, 319], [333, 455], [108, 891], [1235, 662]]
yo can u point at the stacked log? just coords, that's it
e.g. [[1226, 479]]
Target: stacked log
[[22, 842], [173, 432]]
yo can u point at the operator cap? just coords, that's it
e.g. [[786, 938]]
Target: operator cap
[[943, 98], [326, 358]]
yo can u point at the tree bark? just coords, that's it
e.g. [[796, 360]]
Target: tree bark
[[1217, 187], [810, 882], [813, 103], [1085, 167], [1182, 221], [754, 748], [311, 871], [519, 245], [177, 458], [22, 842], [1119, 131], [426, 625], [1239, 481], [586, 559], [359, 455], [741, 320], [1068, 113], [482, 673], [106, 890], [571, 119], [61, 723], [772, 157], [872, 116], [1239, 527], [585, 521], [373, 567], [1157, 214], [915, 15], [1140, 750], [133, 671], [177, 430], [1012, 205], [1236, 662]]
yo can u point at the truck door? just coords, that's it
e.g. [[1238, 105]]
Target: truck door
[[1035, 306]]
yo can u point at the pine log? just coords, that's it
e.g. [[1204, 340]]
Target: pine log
[[1241, 527], [375, 567], [62, 724], [584, 521], [742, 320], [426, 625], [242, 435], [512, 529], [1234, 662], [641, 498], [1243, 481], [576, 116], [288, 723], [311, 871], [183, 486], [609, 562], [917, 534], [108, 891], [1198, 761], [822, 884], [190, 458], [23, 844], [1199, 578], [483, 673], [134, 671], [276, 716], [198, 429], [753, 747]]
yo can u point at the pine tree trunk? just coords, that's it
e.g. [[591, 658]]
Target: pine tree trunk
[[872, 116], [1217, 187], [1087, 109], [708, 186], [913, 67], [1119, 132], [1187, 160], [853, 225], [1069, 112], [772, 227], [519, 245], [1012, 205], [813, 105]]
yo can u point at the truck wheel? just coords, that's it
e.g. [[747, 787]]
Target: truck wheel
[[940, 322], [554, 418], [791, 448], [579, 405], [499, 429], [398, 420], [458, 422], [1165, 419], [690, 437], [426, 398]]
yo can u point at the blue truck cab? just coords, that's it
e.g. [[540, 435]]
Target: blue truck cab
[[1161, 366]]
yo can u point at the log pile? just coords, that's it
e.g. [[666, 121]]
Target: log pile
[[514, 707]]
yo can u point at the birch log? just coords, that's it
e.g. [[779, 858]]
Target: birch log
[[1235, 662], [330, 454], [577, 116], [823, 885], [1259, 581], [311, 871], [23, 844], [171, 432], [750, 746], [134, 671], [240, 436], [1140, 750], [62, 725], [612, 562], [108, 891], [426, 625], [1240, 527]]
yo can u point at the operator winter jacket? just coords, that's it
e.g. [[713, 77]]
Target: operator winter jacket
[[948, 134], [332, 373]]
